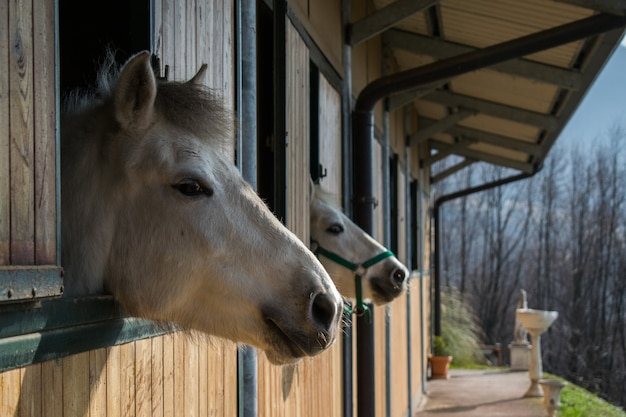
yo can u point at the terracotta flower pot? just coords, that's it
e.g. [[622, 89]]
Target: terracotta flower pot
[[439, 366]]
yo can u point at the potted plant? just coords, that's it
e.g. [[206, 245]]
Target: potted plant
[[440, 360]]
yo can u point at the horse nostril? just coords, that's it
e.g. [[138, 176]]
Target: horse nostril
[[398, 276], [323, 311]]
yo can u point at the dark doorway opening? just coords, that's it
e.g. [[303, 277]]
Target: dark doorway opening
[[88, 29]]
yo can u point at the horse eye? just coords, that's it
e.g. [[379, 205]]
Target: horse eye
[[335, 229], [193, 188]]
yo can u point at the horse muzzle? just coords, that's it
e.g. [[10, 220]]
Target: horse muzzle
[[389, 284], [291, 339]]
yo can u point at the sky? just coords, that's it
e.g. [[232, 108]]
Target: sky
[[604, 105]]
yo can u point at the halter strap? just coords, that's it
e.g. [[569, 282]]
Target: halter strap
[[361, 308]]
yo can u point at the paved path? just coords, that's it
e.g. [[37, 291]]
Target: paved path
[[481, 393]]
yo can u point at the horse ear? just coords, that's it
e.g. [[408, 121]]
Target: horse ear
[[197, 79], [135, 92]]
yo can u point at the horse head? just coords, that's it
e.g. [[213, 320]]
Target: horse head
[[346, 250], [155, 213]]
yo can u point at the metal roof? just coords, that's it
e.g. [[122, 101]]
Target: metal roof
[[509, 113]]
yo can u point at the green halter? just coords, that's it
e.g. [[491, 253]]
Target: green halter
[[361, 308]]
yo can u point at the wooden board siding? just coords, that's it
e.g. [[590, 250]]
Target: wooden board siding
[[330, 137], [129, 380], [298, 133], [418, 289], [27, 134]]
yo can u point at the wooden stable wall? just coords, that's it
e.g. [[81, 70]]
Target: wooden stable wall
[[172, 375], [178, 374], [27, 134]]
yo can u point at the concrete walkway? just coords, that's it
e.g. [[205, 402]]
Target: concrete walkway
[[481, 393]]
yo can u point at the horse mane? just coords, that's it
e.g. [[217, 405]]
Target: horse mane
[[192, 107], [325, 196]]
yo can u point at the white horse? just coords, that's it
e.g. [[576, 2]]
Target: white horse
[[360, 267], [156, 215]]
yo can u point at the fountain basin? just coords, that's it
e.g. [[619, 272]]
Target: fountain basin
[[538, 320]]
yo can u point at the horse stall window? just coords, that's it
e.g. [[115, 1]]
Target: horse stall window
[[119, 26]]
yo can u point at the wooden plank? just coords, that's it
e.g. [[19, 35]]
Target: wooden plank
[[190, 39], [22, 133], [168, 375], [205, 39], [10, 384], [143, 378], [52, 383], [178, 67], [128, 393], [203, 376], [179, 374], [97, 382], [190, 366], [168, 44], [157, 376], [297, 151], [399, 365], [202, 35], [76, 385], [45, 144], [330, 136], [229, 354], [228, 84], [5, 185], [113, 381], [215, 374], [217, 36], [31, 390]]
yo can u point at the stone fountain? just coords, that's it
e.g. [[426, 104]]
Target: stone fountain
[[536, 322]]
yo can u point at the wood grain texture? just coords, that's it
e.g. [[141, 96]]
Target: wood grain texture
[[52, 381], [5, 168], [44, 120], [21, 154]]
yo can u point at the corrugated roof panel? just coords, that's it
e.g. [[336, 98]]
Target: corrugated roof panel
[[407, 60], [482, 23], [506, 89], [415, 23]]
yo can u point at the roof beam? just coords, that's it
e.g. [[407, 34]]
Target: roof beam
[[455, 148], [400, 100], [384, 18], [491, 108], [532, 149], [485, 157], [436, 48], [608, 6], [453, 169], [440, 126]]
